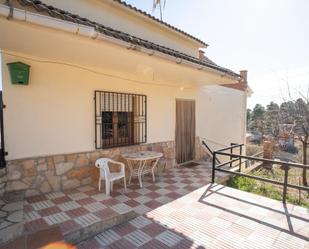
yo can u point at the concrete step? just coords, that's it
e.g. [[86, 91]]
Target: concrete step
[[90, 231], [54, 235]]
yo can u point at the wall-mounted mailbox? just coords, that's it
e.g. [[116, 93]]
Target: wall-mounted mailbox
[[19, 73]]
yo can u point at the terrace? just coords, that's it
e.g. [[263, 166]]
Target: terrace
[[182, 209], [102, 79]]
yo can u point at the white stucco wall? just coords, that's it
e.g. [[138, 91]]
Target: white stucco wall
[[54, 114], [222, 116]]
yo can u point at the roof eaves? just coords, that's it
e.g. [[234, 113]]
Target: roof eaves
[[65, 15], [127, 5]]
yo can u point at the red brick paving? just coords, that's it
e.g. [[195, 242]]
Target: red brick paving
[[121, 244], [110, 202], [76, 212], [153, 195], [60, 200], [106, 213], [194, 221], [35, 225], [132, 203], [124, 229], [190, 220], [36, 198], [153, 229], [69, 226], [153, 204], [133, 194], [49, 211], [86, 201]]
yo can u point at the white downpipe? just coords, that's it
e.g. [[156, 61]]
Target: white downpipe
[[42, 20]]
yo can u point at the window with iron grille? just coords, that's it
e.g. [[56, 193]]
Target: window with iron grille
[[120, 119]]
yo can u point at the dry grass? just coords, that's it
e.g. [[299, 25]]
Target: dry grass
[[252, 149]]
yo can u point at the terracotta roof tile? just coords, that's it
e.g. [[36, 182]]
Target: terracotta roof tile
[[160, 21], [65, 15]]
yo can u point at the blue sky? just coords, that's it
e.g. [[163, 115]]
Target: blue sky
[[269, 38]]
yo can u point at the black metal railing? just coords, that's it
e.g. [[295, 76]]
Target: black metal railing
[[209, 150], [242, 159], [2, 148]]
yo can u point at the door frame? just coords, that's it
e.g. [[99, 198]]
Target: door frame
[[183, 153]]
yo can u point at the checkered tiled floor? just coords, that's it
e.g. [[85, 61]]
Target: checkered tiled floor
[[212, 217], [175, 213], [86, 205]]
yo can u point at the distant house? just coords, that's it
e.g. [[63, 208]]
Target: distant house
[[107, 78], [286, 135]]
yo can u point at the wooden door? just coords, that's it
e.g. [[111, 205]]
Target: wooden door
[[185, 130]]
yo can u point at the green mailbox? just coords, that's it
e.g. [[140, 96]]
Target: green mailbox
[[19, 73]]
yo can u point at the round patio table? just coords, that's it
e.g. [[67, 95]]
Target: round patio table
[[141, 163]]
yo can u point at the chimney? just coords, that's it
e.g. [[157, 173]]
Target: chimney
[[201, 54], [243, 76], [242, 83]]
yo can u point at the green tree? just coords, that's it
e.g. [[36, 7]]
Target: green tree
[[297, 113], [272, 119], [301, 117], [257, 122], [287, 111]]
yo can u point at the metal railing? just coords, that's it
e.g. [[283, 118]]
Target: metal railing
[[2, 147], [209, 150], [242, 159]]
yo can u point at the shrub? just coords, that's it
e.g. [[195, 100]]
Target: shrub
[[269, 191], [242, 183], [265, 189], [297, 201]]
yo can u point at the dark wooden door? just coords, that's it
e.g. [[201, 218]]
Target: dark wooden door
[[185, 130]]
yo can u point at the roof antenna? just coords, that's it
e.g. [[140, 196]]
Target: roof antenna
[[157, 3], [8, 3]]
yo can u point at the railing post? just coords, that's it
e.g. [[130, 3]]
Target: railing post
[[240, 153], [285, 182], [231, 150], [213, 166], [2, 150]]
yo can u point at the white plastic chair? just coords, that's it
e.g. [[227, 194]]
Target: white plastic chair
[[110, 177]]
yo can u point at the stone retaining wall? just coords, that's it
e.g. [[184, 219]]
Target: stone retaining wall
[[61, 172]]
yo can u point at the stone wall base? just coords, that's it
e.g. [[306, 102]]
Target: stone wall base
[[200, 151], [61, 172]]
